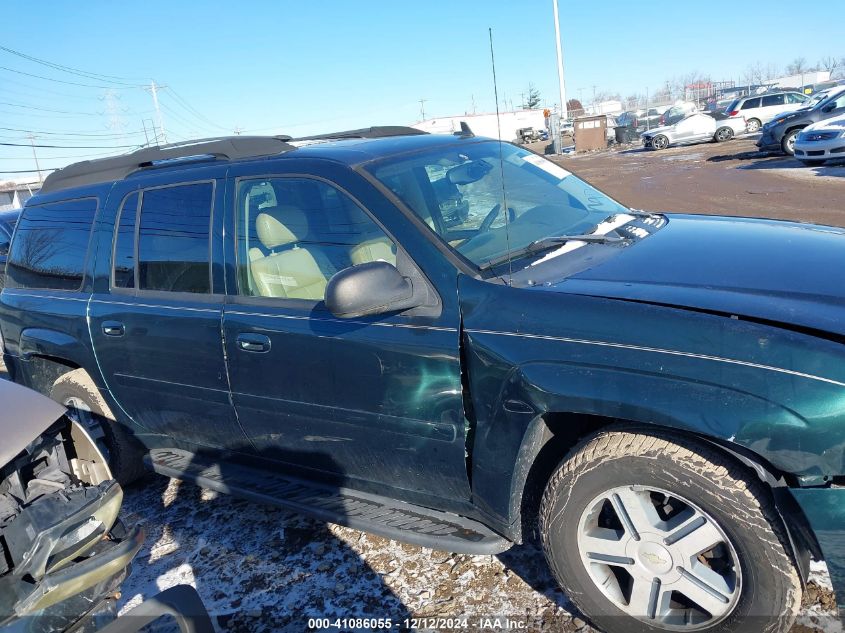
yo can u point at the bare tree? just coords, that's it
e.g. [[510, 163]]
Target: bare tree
[[797, 66], [830, 63]]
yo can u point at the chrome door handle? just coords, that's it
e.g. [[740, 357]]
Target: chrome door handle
[[253, 342], [113, 328]]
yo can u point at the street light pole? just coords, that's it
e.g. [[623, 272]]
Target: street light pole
[[35, 156], [559, 63]]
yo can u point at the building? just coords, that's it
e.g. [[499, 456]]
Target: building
[[486, 124], [13, 194]]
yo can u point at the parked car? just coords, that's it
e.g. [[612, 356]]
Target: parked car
[[641, 120], [8, 219], [760, 109], [677, 112], [821, 141], [654, 395], [697, 127], [780, 133]]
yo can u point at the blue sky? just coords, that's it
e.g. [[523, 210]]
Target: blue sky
[[306, 67]]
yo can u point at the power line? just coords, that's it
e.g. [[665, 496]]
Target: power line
[[40, 132], [196, 112], [70, 69], [31, 107], [68, 146], [58, 81]]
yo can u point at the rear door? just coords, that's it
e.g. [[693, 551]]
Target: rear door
[[156, 312], [376, 400], [771, 106]]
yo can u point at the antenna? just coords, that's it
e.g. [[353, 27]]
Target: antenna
[[501, 161]]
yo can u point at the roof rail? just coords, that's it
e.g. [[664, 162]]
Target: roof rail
[[379, 131], [118, 167]]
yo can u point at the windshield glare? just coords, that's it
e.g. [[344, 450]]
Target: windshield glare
[[461, 192]]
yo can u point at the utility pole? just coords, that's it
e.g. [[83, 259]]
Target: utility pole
[[154, 92], [238, 129], [31, 138], [422, 109], [561, 85]]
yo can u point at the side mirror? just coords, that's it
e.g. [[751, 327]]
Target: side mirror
[[371, 288], [829, 107]]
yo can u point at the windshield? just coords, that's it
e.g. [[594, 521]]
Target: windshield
[[461, 191]]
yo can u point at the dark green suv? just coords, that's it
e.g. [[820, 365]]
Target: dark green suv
[[659, 398]]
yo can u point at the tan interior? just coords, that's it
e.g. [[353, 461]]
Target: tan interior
[[379, 249], [292, 273]]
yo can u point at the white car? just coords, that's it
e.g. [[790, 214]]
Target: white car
[[694, 128], [821, 141], [760, 109]]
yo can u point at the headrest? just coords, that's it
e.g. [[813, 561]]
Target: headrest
[[280, 226]]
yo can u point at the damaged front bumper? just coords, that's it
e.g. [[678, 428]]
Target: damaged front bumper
[[824, 509], [70, 554]]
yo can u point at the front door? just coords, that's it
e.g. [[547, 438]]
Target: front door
[[376, 400], [156, 312]]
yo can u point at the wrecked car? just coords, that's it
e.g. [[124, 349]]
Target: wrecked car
[[63, 550], [657, 399]]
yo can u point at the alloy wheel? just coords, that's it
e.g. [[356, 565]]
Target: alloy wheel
[[659, 558]]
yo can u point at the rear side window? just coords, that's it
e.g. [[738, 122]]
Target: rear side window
[[173, 238], [773, 100], [51, 244], [124, 244], [751, 103]]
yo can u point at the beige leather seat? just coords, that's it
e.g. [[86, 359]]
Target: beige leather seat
[[379, 249], [293, 272]]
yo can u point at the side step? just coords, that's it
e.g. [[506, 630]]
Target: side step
[[360, 510]]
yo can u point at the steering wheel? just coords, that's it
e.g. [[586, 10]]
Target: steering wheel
[[491, 217]]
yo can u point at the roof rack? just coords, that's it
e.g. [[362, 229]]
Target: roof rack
[[118, 167], [379, 131]]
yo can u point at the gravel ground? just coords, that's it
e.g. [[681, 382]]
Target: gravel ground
[[262, 569]]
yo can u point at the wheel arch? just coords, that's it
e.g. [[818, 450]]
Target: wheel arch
[[554, 435]]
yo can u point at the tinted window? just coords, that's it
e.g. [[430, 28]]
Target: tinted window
[[50, 245], [124, 244], [773, 100], [173, 241], [751, 103], [295, 233]]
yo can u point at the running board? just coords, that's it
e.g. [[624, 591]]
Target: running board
[[360, 510]]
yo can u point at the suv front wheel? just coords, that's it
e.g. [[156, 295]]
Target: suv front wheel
[[647, 532]]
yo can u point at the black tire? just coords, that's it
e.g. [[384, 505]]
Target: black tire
[[753, 125], [767, 597], [723, 134], [787, 143], [660, 142], [123, 453]]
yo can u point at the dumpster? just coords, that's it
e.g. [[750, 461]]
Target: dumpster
[[590, 133]]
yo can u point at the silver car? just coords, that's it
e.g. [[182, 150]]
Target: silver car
[[694, 128]]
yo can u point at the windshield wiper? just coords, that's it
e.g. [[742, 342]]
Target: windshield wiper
[[550, 242]]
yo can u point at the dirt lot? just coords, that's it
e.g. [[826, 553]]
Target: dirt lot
[[730, 178]]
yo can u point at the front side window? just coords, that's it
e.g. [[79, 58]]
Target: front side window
[[795, 98], [173, 238], [50, 246], [295, 233], [487, 198]]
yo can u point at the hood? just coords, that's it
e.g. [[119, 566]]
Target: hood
[[658, 130], [782, 272], [25, 415], [836, 124]]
